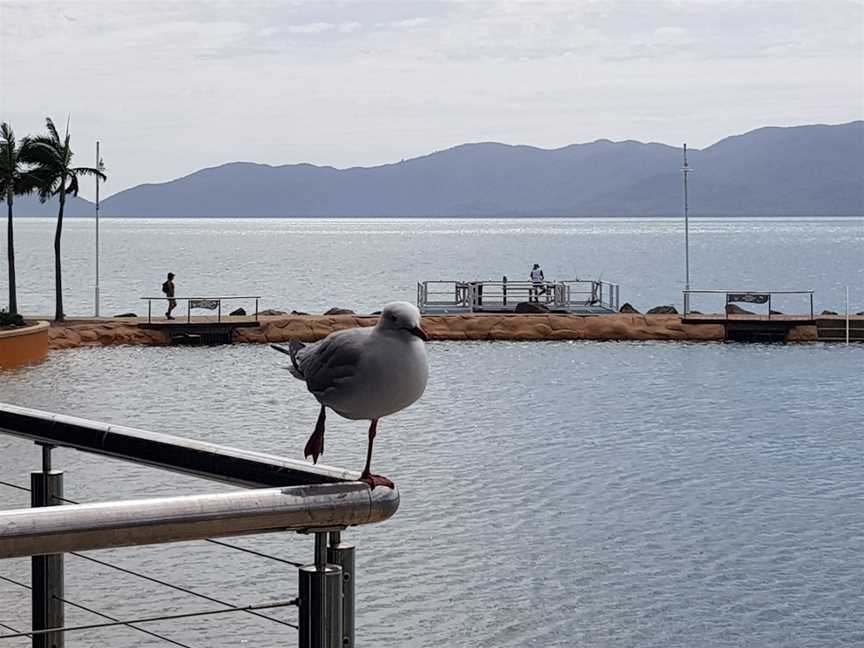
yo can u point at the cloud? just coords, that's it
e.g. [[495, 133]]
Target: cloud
[[320, 28], [171, 87]]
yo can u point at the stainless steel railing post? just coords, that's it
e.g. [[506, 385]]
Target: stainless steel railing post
[[342, 554], [320, 600], [47, 570]]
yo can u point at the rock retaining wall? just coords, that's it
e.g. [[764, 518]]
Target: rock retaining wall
[[499, 327], [309, 328], [102, 333]]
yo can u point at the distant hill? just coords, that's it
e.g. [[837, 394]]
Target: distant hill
[[30, 206], [803, 170]]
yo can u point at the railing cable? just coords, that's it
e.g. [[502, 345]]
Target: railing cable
[[15, 486], [166, 617], [14, 582], [126, 623], [254, 553], [176, 587], [91, 611], [29, 490]]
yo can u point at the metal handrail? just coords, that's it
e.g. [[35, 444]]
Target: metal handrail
[[472, 296], [188, 456], [760, 293], [189, 301], [62, 529]]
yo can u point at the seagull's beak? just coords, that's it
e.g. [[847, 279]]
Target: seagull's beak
[[419, 332]]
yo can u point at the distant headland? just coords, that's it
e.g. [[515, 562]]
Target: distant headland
[[814, 170]]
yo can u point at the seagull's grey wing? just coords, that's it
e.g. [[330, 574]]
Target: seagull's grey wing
[[332, 363]]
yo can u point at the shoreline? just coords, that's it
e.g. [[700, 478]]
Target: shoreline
[[111, 331]]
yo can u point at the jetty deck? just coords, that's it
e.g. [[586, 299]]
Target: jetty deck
[[769, 328]]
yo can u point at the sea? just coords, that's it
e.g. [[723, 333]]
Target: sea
[[555, 494]]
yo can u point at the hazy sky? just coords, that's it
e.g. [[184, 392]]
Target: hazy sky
[[171, 87]]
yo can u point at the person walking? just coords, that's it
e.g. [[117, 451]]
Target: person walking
[[168, 289], [538, 278]]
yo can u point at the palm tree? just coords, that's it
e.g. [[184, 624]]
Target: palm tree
[[14, 180], [55, 175]]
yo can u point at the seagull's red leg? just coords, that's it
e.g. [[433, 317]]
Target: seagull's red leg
[[315, 444], [367, 476]]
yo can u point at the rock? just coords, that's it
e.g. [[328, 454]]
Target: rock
[[238, 312], [339, 311], [860, 313], [126, 315], [531, 307], [628, 308], [735, 309], [773, 312], [662, 310], [827, 312], [271, 313], [695, 312], [296, 312]]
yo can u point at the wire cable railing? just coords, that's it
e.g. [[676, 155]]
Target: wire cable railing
[[97, 613], [164, 617], [288, 496], [157, 581]]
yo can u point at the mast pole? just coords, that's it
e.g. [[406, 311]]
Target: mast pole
[[684, 171], [98, 166]]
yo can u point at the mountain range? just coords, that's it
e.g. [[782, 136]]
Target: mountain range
[[815, 170]]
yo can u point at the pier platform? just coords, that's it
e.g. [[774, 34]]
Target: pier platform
[[777, 328], [200, 330]]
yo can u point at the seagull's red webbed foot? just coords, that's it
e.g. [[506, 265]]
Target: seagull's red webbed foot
[[376, 480], [315, 445], [366, 475]]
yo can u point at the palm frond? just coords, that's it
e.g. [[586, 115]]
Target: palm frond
[[52, 130], [88, 171], [42, 151], [44, 182], [7, 134], [26, 183], [73, 185]]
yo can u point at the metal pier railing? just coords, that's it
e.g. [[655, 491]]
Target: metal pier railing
[[206, 303], [731, 297], [573, 296], [286, 496]]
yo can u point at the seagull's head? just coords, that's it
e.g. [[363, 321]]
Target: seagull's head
[[402, 316]]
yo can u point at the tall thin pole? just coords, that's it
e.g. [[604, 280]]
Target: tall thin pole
[[847, 314], [98, 166], [684, 171]]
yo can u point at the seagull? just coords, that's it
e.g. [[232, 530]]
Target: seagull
[[364, 374]]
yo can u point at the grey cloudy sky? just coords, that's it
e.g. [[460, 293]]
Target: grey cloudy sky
[[171, 87]]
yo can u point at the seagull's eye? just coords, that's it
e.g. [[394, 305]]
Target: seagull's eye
[[393, 318]]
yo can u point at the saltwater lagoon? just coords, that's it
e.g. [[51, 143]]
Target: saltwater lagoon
[[553, 493]]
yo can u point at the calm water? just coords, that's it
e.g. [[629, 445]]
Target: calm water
[[312, 265], [553, 494]]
